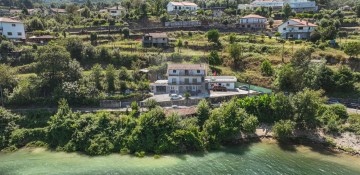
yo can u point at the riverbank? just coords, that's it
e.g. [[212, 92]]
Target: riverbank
[[345, 142], [265, 157]]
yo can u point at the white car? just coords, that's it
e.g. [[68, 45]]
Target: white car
[[175, 97]]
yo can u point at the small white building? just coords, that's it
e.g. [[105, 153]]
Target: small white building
[[253, 22], [296, 5], [178, 6], [12, 29], [225, 81], [116, 11], [296, 29]]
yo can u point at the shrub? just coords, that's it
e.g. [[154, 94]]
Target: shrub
[[283, 129], [298, 41], [140, 154], [124, 151], [266, 68]]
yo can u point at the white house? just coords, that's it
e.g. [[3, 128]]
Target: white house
[[12, 29], [182, 78], [116, 11], [225, 81], [178, 6], [296, 5], [253, 22], [296, 29]]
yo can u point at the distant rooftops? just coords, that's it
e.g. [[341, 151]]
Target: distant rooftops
[[183, 3], [9, 20], [253, 16], [157, 35], [186, 66]]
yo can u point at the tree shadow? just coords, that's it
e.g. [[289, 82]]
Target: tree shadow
[[287, 145]]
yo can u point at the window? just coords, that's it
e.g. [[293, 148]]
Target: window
[[113, 11], [9, 33], [174, 71], [19, 34], [300, 28], [194, 80], [227, 84], [198, 71], [284, 28], [173, 80], [14, 25]]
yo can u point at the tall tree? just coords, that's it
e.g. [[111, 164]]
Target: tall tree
[[110, 78]]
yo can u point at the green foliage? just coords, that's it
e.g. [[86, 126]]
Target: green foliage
[[214, 58], [8, 123], [283, 129], [306, 107], [151, 103], [110, 76], [352, 49], [250, 124], [213, 36], [287, 10], [96, 76], [232, 38], [202, 112], [266, 68]]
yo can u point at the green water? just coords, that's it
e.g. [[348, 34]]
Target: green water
[[258, 158]]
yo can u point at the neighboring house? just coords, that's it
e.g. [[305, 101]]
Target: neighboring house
[[41, 39], [56, 10], [116, 11], [225, 81], [296, 29], [182, 78], [178, 6], [155, 39], [12, 29], [253, 22], [296, 5]]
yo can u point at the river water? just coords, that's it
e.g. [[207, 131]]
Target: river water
[[257, 158]]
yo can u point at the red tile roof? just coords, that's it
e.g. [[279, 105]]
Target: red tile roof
[[254, 16], [303, 23]]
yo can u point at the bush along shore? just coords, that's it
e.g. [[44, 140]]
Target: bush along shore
[[153, 132]]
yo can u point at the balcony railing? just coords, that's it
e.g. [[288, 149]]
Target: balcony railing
[[186, 74], [185, 83]]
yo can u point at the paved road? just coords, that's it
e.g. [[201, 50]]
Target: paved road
[[353, 111]]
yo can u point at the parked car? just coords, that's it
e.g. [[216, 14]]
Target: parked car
[[245, 88], [175, 97], [219, 88]]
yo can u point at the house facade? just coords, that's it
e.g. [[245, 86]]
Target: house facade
[[12, 29], [253, 22], [116, 11], [178, 6], [296, 29], [182, 78], [226, 81], [296, 5], [155, 40]]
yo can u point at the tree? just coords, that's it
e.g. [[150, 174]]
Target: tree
[[8, 123], [213, 36], [283, 129], [249, 124], [72, 8], [75, 47], [344, 79], [357, 10], [315, 35], [306, 106], [232, 38], [55, 66], [202, 112], [282, 107], [277, 34], [235, 51], [123, 75], [266, 68], [287, 11], [5, 48], [271, 22], [214, 58], [93, 38], [151, 104], [126, 32], [352, 49], [96, 76], [110, 78], [86, 12], [179, 44]]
